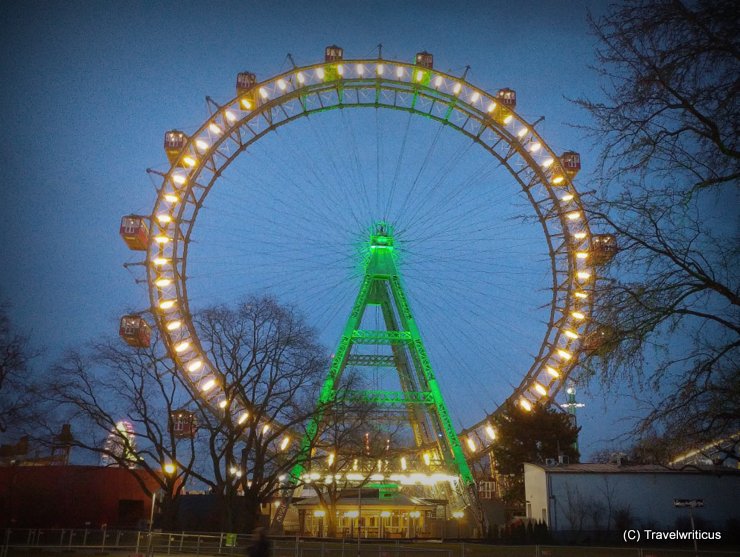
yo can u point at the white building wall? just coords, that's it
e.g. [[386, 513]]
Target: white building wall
[[586, 501]]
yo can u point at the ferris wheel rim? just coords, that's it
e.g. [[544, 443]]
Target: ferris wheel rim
[[230, 127]]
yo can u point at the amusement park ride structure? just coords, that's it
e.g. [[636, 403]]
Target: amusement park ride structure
[[259, 108]]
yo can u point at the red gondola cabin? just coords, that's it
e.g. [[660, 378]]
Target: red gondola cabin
[[174, 143], [603, 248], [183, 424], [333, 53], [134, 232], [571, 162], [425, 60], [507, 98], [135, 331]]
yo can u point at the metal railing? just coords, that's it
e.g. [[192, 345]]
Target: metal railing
[[133, 543]]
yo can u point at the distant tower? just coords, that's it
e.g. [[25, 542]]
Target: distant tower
[[120, 446], [571, 405]]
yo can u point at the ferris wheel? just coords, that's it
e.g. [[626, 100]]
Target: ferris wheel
[[449, 236]]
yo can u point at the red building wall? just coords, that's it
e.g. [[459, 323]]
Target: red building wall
[[71, 496]]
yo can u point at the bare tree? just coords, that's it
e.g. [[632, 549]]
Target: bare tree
[[667, 122], [16, 398], [267, 357], [98, 388]]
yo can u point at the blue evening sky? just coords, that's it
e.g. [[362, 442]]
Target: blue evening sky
[[90, 87]]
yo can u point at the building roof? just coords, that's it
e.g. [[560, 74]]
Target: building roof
[[398, 501], [598, 468]]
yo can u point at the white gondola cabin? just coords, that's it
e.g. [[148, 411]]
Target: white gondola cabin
[[134, 232], [135, 331], [174, 143]]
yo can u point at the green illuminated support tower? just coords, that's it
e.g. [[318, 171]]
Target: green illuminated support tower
[[419, 394]]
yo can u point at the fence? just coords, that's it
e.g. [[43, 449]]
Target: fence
[[131, 543]]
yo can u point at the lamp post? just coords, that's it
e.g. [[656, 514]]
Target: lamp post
[[414, 515]]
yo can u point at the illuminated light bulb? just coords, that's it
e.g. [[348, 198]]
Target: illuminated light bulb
[[223, 404], [540, 389], [230, 116], [164, 218], [320, 73], [354, 466], [179, 179], [201, 145], [521, 133], [340, 69], [419, 75], [331, 459], [162, 282], [438, 81], [377, 477], [242, 418], [508, 119], [167, 304], [474, 97], [263, 93], [552, 371], [471, 444], [583, 275], [195, 365], [161, 239], [571, 334], [490, 432], [380, 69], [547, 163], [245, 104], [182, 346], [573, 215], [208, 385], [536, 146], [403, 463], [300, 77], [174, 325], [581, 254], [160, 261], [491, 107], [171, 198], [565, 355], [427, 459], [360, 69], [581, 295], [281, 84], [524, 403], [215, 128], [188, 160], [558, 180], [169, 468], [578, 315], [567, 197], [385, 514], [579, 235], [457, 88], [284, 444], [399, 71]]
